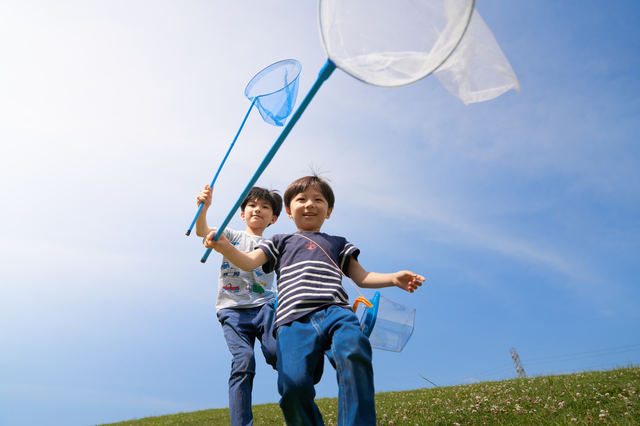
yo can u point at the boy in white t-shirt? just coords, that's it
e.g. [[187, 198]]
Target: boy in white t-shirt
[[246, 299]]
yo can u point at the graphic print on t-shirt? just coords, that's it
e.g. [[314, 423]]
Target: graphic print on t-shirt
[[238, 288], [229, 287]]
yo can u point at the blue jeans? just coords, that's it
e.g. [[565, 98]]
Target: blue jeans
[[241, 327], [301, 349]]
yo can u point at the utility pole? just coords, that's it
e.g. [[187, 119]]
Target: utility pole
[[516, 362]]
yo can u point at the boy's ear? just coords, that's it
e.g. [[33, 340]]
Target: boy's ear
[[288, 211], [273, 219], [242, 214], [329, 212]]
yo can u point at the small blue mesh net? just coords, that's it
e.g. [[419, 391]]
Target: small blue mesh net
[[275, 90]]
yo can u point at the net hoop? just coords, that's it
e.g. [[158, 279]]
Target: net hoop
[[288, 64], [327, 12]]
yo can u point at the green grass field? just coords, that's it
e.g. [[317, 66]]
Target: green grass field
[[596, 397]]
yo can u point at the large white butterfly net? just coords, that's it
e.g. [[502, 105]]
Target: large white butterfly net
[[397, 42]]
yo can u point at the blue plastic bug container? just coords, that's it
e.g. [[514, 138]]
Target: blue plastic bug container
[[388, 324]]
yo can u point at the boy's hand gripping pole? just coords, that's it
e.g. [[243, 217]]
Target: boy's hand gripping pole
[[325, 72], [220, 167]]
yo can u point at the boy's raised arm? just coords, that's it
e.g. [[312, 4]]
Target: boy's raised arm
[[405, 280], [202, 229], [246, 261]]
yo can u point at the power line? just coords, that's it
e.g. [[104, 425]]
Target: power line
[[587, 354], [568, 357]]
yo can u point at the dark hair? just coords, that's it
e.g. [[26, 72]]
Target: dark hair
[[272, 197], [304, 183]]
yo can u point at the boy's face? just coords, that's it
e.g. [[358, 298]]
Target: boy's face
[[309, 209], [258, 214]]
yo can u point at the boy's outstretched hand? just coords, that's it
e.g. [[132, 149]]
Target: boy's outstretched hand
[[407, 280]]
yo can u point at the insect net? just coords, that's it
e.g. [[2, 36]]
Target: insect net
[[275, 90], [392, 42], [397, 42]]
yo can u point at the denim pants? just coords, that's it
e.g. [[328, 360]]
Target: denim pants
[[241, 327], [301, 349]]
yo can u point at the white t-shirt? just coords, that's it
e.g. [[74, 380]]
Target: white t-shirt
[[243, 289]]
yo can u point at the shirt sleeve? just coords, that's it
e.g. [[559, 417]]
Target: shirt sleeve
[[348, 251], [269, 247], [230, 234]]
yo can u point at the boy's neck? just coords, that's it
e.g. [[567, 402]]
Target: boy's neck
[[254, 231], [309, 230]]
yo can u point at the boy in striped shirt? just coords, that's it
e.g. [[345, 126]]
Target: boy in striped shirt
[[313, 314]]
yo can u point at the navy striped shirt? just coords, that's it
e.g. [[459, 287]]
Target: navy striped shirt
[[307, 279]]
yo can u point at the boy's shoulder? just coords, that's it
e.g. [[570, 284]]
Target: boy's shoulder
[[231, 233], [237, 235]]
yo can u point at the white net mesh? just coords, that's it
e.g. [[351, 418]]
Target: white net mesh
[[397, 42], [392, 42], [477, 70]]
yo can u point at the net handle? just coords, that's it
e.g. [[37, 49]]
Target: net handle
[[215, 177]]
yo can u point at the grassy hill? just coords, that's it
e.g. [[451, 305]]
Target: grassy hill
[[596, 397]]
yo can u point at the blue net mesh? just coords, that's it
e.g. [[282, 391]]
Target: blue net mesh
[[275, 89]]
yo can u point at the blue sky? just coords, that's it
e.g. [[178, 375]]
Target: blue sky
[[521, 211]]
